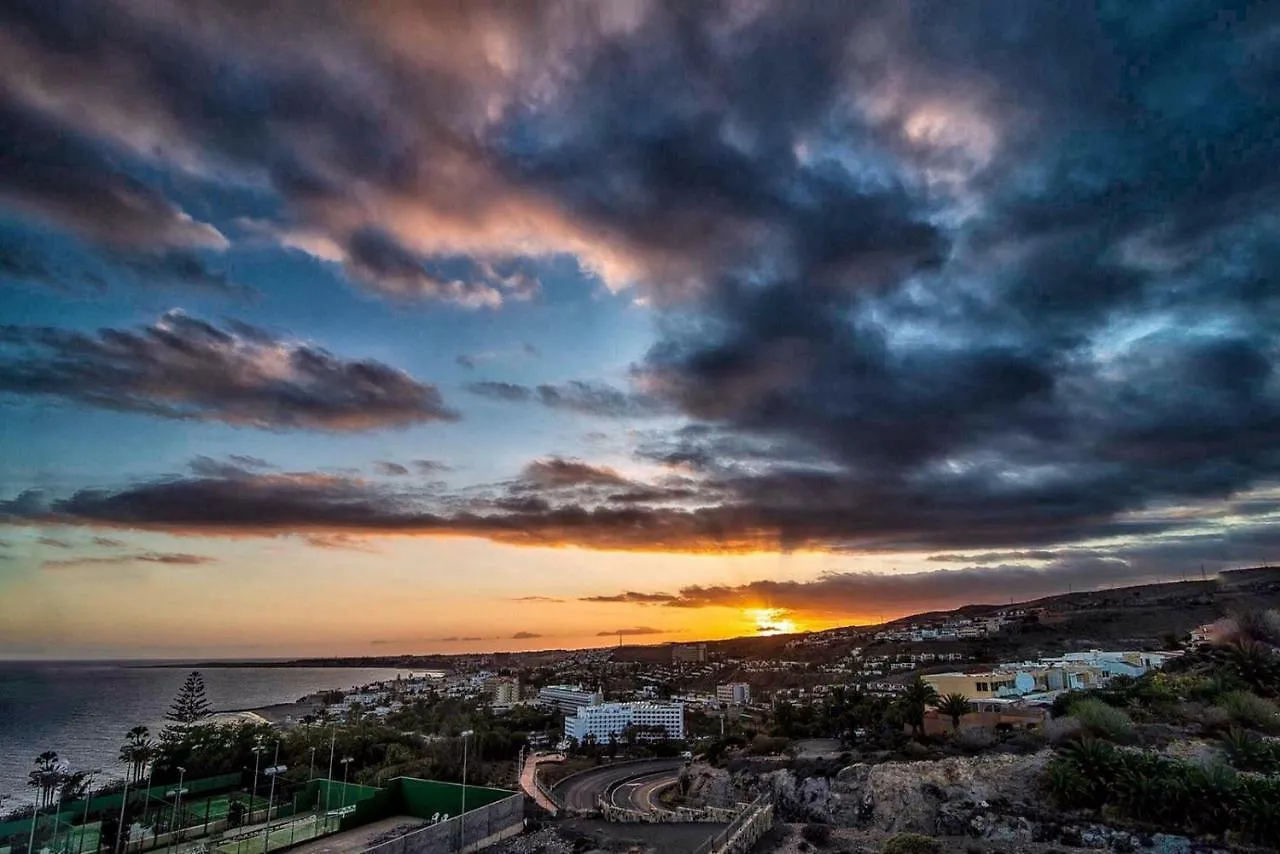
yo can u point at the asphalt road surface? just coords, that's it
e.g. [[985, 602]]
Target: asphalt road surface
[[640, 793], [580, 793]]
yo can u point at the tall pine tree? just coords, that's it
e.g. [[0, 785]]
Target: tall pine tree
[[191, 705]]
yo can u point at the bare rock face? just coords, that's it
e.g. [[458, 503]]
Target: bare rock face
[[712, 787], [940, 797]]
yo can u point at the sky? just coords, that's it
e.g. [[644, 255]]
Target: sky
[[375, 328]]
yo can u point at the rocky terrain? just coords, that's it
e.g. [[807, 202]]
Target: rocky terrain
[[970, 804]]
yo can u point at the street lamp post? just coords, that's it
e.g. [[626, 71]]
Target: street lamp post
[[311, 775], [257, 760], [85, 821], [57, 807], [124, 799], [272, 772], [328, 785], [462, 812], [174, 829], [346, 761]]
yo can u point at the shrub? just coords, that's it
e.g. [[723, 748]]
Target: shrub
[[1250, 753], [818, 834], [1059, 730], [1103, 721], [974, 739], [911, 843], [1250, 710]]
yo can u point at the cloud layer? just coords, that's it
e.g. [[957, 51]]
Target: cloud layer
[[185, 368], [939, 275]]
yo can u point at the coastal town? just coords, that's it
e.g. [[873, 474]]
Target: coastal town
[[721, 737]]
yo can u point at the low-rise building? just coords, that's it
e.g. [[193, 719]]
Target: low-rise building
[[649, 721], [978, 685], [734, 694]]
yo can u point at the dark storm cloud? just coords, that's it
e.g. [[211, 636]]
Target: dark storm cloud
[[585, 398], [179, 267], [58, 175], [509, 392], [185, 368], [637, 631], [852, 594], [953, 275], [556, 472], [20, 262], [635, 598], [564, 502], [250, 462], [386, 467], [379, 260]]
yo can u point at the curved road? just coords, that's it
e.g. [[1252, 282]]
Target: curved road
[[579, 793], [639, 793]]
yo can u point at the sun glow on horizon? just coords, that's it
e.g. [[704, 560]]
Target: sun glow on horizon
[[772, 621]]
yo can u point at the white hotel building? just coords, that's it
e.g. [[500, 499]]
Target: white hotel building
[[612, 719], [568, 698]]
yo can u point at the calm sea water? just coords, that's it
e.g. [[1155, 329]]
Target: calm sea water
[[83, 709]]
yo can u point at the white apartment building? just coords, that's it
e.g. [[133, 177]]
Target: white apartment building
[[734, 694], [568, 698], [606, 720]]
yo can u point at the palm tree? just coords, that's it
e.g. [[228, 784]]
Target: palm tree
[[137, 750], [954, 706], [914, 700], [46, 776]]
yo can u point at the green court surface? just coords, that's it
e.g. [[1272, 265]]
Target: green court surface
[[282, 835], [218, 805]]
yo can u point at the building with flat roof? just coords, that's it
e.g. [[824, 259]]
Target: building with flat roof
[[651, 721], [689, 652], [734, 694], [568, 698], [982, 685], [506, 692]]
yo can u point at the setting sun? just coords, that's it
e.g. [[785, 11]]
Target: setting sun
[[772, 621]]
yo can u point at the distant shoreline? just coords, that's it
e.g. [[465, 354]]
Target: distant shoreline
[[423, 663]]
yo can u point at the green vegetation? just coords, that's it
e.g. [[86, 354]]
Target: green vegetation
[[1102, 720], [137, 751], [954, 706], [1247, 752], [1165, 793], [911, 843], [191, 704], [1251, 711], [913, 702]]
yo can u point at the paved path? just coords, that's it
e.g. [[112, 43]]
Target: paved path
[[528, 780]]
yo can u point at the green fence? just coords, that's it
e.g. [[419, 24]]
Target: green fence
[[426, 798], [74, 812], [319, 808]]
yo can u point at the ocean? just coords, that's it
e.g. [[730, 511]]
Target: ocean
[[83, 709]]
